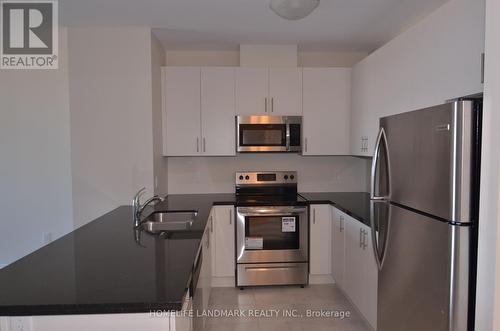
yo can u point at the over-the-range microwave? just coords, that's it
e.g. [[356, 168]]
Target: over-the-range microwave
[[257, 134]]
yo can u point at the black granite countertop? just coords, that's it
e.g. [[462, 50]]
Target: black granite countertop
[[100, 268], [355, 204], [107, 267]]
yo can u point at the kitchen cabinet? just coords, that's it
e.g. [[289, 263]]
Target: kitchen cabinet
[[183, 320], [361, 271], [326, 111], [285, 91], [364, 117], [181, 111], [222, 230], [218, 128], [338, 254], [198, 111], [320, 240], [206, 271], [268, 91], [252, 91]]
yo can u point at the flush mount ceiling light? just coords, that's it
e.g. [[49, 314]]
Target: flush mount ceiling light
[[293, 9]]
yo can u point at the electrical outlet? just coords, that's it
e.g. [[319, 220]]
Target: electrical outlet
[[21, 323], [47, 237]]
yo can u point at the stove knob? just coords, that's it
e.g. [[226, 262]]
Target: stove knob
[[286, 177], [292, 177], [247, 177], [241, 177]]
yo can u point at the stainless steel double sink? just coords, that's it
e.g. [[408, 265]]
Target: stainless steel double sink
[[168, 221]]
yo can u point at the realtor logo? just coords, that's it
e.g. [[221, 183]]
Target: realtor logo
[[29, 34]]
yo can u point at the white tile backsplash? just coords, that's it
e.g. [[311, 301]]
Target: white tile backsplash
[[188, 175]]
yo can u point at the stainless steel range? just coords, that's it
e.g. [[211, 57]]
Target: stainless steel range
[[271, 230]]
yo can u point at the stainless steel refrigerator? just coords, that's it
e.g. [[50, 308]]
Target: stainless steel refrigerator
[[425, 196]]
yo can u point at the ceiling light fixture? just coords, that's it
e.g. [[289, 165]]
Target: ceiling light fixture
[[293, 9]]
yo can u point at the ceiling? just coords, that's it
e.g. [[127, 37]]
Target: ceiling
[[336, 25]]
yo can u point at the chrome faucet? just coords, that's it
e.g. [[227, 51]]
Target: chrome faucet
[[138, 208]]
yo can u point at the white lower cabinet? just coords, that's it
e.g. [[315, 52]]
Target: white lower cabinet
[[320, 243], [222, 235], [183, 320], [360, 269], [338, 254], [205, 277]]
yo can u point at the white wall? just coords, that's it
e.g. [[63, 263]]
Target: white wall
[[216, 174], [435, 60], [488, 287], [111, 117], [232, 58], [35, 162], [160, 162]]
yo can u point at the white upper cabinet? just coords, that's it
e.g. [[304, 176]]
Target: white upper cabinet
[[252, 91], [326, 111], [285, 91], [198, 111], [182, 123], [268, 91], [424, 66], [320, 240], [217, 111]]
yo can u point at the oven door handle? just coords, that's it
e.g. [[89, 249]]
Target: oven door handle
[[267, 214], [257, 211]]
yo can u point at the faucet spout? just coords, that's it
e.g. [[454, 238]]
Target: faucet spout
[[138, 208]]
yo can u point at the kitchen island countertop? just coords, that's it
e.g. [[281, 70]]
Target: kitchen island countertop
[[106, 266]]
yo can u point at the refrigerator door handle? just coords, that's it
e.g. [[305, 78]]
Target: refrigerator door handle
[[382, 137], [375, 232]]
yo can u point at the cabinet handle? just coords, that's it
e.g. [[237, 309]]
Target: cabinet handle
[[230, 216], [272, 105], [305, 144], [314, 216], [204, 145], [197, 145], [341, 223], [265, 105], [211, 224]]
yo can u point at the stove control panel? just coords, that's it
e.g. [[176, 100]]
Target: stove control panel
[[266, 177]]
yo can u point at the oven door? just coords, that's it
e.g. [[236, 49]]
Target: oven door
[[271, 234]]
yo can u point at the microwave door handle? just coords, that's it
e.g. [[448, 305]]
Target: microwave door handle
[[288, 136]]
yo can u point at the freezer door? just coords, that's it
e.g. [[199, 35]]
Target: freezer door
[[422, 282], [429, 154]]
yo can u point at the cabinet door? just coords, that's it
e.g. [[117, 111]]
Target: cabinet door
[[338, 257], [285, 91], [369, 307], [326, 111], [181, 111], [320, 240], [252, 91], [224, 229], [207, 268], [353, 273], [364, 118], [217, 111]]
